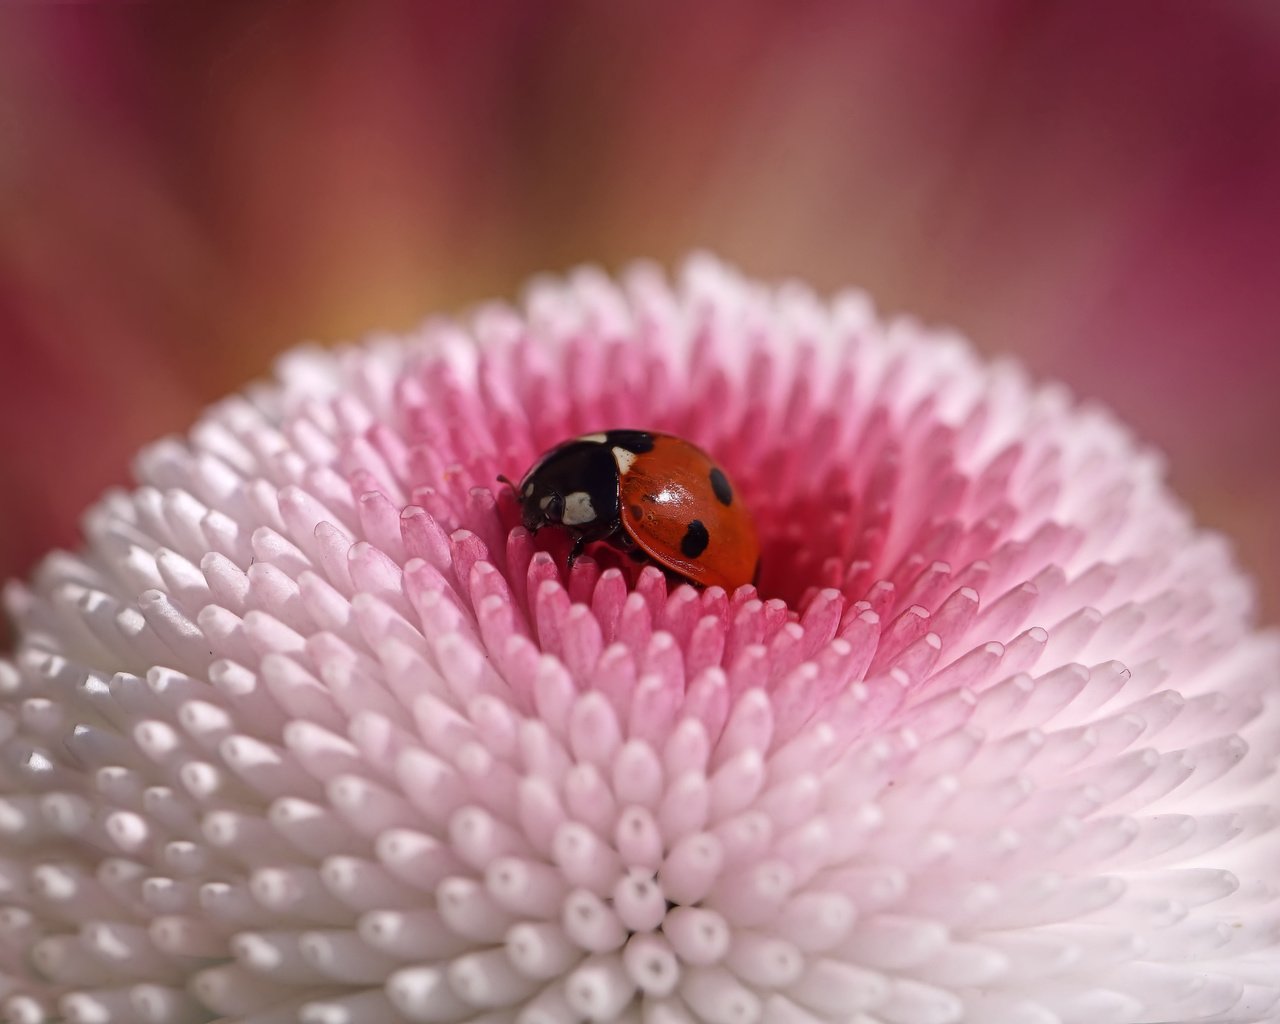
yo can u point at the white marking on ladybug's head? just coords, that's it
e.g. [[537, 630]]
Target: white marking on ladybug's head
[[528, 488], [596, 438], [623, 458], [578, 509]]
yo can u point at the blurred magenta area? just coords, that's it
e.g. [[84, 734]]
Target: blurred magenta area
[[186, 190]]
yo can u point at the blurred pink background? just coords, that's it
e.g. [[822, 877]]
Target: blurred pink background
[[185, 190]]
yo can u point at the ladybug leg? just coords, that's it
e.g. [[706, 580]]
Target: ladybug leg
[[624, 542], [579, 542], [674, 579]]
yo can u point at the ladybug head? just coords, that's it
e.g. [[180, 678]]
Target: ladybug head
[[541, 509], [574, 486]]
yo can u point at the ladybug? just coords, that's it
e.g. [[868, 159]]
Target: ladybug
[[654, 496]]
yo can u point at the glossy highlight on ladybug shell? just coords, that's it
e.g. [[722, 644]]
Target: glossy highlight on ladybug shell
[[654, 496]]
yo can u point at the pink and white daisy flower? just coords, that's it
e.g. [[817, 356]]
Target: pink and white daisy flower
[[312, 730]]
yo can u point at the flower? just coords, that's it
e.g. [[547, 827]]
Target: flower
[[313, 730]]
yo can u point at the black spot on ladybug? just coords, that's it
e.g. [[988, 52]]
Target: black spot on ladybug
[[720, 485], [636, 511], [695, 539], [637, 441]]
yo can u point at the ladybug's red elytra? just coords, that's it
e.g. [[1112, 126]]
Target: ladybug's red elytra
[[654, 496]]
